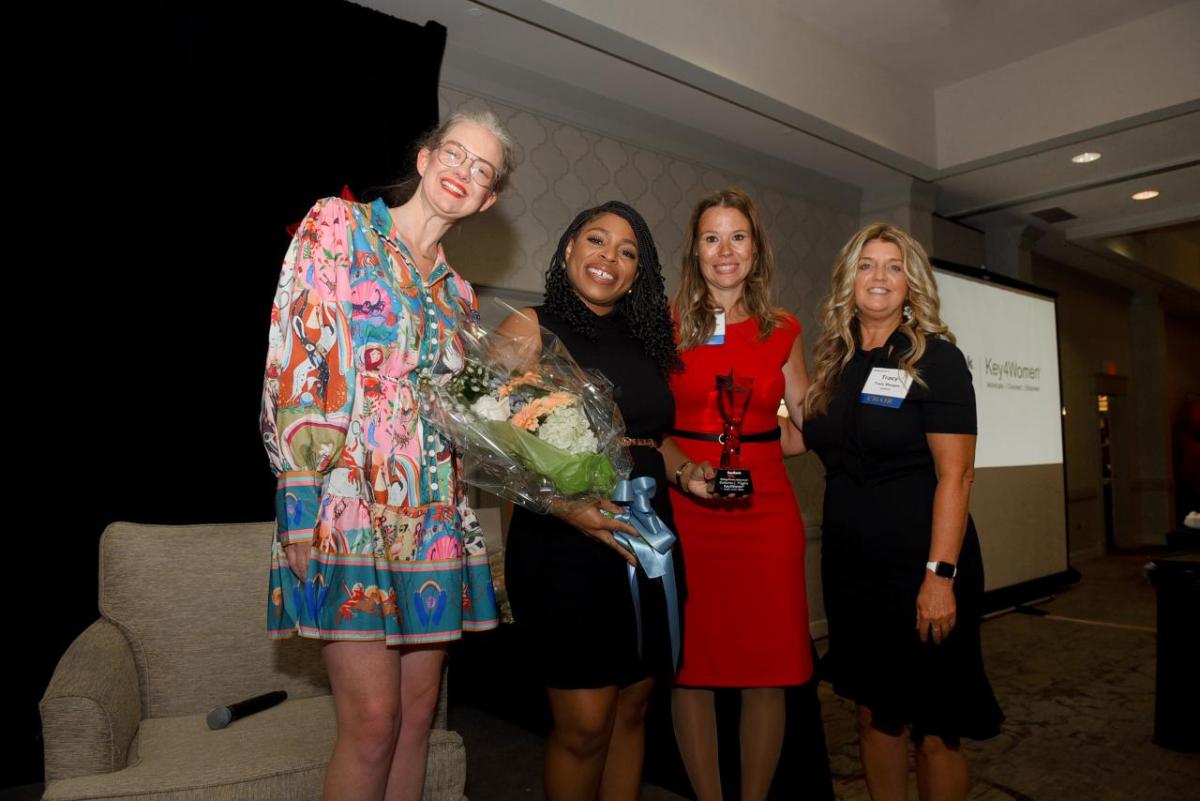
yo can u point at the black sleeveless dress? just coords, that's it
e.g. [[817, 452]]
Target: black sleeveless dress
[[570, 594]]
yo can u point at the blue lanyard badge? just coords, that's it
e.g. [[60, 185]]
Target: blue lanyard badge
[[718, 337], [886, 387]]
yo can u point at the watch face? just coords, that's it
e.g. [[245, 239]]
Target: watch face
[[944, 570]]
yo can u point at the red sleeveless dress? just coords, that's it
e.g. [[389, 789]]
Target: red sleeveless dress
[[746, 613]]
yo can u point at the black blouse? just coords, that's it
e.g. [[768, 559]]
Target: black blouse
[[872, 444]]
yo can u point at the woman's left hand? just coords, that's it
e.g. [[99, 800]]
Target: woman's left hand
[[598, 520], [936, 608], [700, 480]]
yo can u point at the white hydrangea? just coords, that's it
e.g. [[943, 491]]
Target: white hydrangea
[[567, 428], [489, 408]]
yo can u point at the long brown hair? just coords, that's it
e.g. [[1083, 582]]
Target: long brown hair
[[693, 304], [839, 323]]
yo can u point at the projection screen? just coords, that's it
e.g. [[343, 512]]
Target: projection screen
[[1009, 335]]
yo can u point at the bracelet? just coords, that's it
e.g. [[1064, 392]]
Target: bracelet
[[679, 475]]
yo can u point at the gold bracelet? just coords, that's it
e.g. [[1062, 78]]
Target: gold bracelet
[[679, 475], [644, 442]]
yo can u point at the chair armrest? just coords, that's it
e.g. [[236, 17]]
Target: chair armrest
[[92, 707]]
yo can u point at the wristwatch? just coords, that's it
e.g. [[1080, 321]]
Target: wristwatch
[[942, 569]]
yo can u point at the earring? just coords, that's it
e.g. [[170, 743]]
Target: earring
[[907, 312]]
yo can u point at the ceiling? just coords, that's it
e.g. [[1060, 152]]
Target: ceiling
[[939, 42], [867, 89]]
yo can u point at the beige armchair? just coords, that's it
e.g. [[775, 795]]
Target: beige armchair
[[181, 630]]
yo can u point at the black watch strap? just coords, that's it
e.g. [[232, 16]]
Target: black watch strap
[[942, 569]]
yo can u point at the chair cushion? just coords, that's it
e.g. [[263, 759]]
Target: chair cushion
[[277, 754], [191, 600]]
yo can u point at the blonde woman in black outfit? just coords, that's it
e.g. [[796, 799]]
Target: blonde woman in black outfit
[[891, 413]]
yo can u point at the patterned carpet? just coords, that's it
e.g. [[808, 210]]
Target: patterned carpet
[[1077, 687], [1079, 698]]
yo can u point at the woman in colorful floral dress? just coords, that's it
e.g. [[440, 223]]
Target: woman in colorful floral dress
[[377, 552]]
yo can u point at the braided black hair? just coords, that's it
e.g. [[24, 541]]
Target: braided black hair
[[644, 306]]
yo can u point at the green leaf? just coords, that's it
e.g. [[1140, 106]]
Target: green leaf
[[572, 473]]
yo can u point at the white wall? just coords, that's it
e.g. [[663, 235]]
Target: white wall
[[563, 168], [764, 47], [1143, 66]]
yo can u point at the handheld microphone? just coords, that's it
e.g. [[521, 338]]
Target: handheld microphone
[[222, 716]]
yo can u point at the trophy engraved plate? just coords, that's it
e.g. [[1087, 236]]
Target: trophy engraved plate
[[733, 396]]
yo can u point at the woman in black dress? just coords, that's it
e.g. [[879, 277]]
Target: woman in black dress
[[566, 575], [891, 413]]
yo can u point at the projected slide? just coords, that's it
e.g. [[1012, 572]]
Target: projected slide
[[1011, 346], [1010, 340]]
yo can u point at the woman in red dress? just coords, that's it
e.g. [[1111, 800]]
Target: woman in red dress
[[746, 614]]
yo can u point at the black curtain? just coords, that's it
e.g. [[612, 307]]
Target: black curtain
[[182, 140]]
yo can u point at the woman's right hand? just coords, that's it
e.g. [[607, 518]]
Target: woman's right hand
[[297, 558], [590, 518]]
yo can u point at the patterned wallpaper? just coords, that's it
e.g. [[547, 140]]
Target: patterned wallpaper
[[562, 168]]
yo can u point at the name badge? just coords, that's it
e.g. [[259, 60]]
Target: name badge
[[718, 337], [886, 387]]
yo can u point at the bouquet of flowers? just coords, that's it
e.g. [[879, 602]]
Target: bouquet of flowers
[[532, 425]]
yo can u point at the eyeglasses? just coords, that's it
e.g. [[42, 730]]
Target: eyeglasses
[[452, 154]]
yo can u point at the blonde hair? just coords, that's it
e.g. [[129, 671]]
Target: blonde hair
[[693, 304], [839, 324]]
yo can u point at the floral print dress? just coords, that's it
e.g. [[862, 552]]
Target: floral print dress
[[395, 552]]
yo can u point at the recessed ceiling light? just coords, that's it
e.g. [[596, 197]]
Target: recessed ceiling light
[[1147, 194], [1084, 158]]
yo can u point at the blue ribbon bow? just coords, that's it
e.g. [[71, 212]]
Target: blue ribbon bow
[[652, 549]]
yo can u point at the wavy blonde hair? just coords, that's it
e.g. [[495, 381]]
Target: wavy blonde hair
[[839, 322], [694, 305]]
